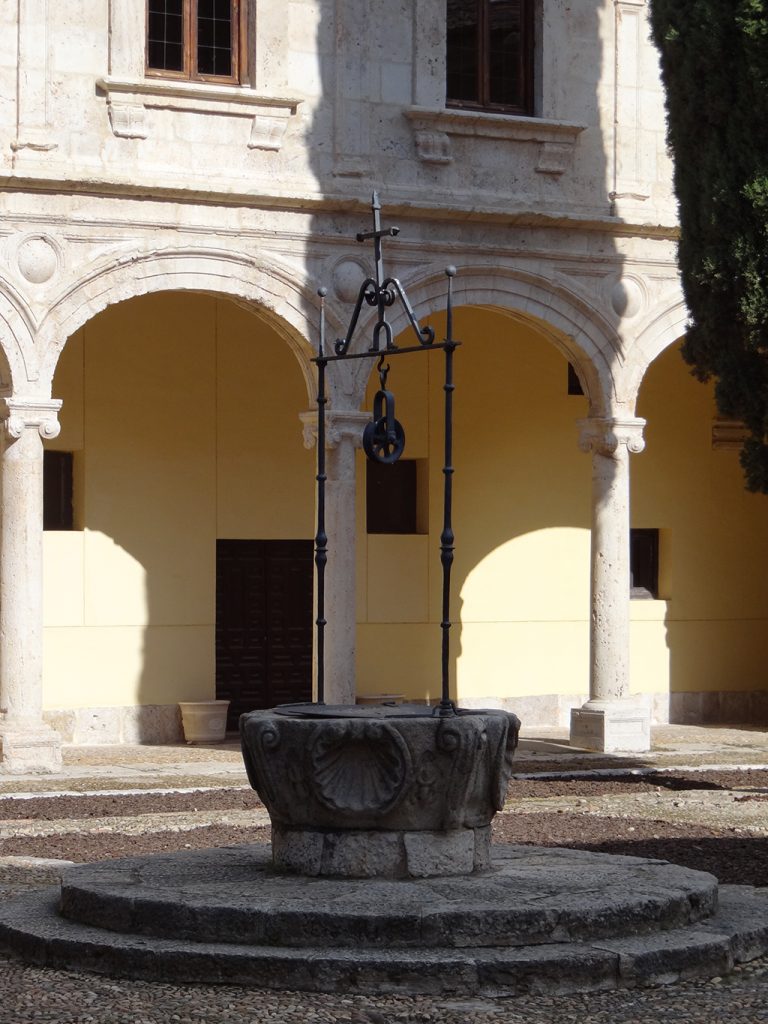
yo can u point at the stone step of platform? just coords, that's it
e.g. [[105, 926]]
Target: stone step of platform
[[532, 896], [32, 929], [549, 921]]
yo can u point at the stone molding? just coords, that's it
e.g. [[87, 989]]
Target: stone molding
[[433, 128], [129, 99], [605, 436], [279, 290], [38, 140], [339, 426], [20, 414]]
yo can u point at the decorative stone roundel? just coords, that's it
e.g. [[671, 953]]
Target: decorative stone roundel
[[37, 259], [347, 276], [627, 297]]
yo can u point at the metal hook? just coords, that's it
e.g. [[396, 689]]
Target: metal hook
[[383, 372]]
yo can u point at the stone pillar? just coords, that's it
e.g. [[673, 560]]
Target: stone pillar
[[344, 434], [610, 720], [354, 72], [33, 131], [26, 743]]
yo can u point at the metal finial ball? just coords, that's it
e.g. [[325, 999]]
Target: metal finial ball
[[450, 271], [322, 292]]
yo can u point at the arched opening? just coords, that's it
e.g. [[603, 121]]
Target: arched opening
[[181, 410], [521, 517], [703, 641]]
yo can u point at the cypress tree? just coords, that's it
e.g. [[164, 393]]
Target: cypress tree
[[714, 61]]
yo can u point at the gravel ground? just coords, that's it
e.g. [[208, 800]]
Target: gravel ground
[[571, 818], [56, 808], [145, 824], [33, 995]]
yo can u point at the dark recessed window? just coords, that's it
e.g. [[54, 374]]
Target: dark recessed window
[[644, 563], [195, 39], [392, 497], [489, 55], [574, 384], [58, 488]]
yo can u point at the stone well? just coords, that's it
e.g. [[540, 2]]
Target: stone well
[[393, 792]]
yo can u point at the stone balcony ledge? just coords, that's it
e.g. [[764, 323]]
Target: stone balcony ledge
[[129, 99], [433, 129]]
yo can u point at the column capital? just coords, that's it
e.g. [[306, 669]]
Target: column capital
[[341, 425], [20, 414], [606, 435]]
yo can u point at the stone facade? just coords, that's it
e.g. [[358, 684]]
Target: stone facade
[[118, 185]]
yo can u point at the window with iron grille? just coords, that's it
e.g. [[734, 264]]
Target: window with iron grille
[[489, 58], [195, 39]]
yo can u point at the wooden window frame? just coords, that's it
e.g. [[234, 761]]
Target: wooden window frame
[[396, 498], [190, 73], [644, 579], [526, 69], [58, 490]]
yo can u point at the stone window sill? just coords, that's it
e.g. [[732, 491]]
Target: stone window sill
[[433, 129], [129, 99]]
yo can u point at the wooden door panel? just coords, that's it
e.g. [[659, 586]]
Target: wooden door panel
[[263, 623]]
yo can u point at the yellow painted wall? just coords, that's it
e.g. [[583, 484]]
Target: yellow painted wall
[[712, 628], [183, 414], [522, 494], [521, 518]]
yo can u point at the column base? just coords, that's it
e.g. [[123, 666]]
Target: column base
[[29, 749], [621, 726]]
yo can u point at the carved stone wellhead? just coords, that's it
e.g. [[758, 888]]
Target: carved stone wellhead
[[392, 791], [379, 791]]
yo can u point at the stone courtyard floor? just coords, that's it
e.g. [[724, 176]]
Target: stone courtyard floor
[[700, 797]]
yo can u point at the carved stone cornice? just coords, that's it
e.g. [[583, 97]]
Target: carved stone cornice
[[606, 435], [343, 425], [20, 414]]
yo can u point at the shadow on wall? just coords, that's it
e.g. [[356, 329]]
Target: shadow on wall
[[522, 504]]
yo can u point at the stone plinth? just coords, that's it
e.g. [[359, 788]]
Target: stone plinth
[[394, 792], [620, 726]]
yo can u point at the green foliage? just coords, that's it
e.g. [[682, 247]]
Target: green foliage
[[714, 58]]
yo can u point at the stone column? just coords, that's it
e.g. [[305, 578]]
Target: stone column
[[26, 743], [344, 434], [610, 720]]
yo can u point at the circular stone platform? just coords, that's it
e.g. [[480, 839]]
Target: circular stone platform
[[532, 896], [549, 920]]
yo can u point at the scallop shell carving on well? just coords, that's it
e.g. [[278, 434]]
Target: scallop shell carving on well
[[359, 766]]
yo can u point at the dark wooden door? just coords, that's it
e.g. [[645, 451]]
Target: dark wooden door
[[263, 623]]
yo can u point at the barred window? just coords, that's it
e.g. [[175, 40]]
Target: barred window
[[194, 39]]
